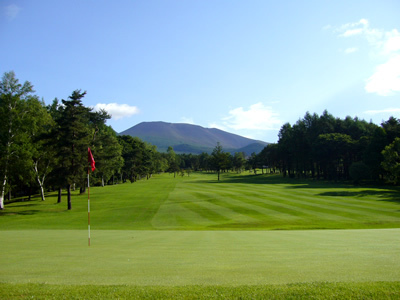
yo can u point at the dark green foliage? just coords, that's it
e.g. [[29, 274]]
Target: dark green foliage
[[359, 171], [220, 160], [325, 147], [391, 160], [140, 159]]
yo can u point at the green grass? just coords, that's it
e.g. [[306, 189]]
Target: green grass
[[199, 202], [180, 258], [193, 237], [381, 290]]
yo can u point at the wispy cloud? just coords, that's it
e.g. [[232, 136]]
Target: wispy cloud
[[257, 117], [351, 29], [351, 50], [385, 45], [382, 111], [117, 111], [11, 11]]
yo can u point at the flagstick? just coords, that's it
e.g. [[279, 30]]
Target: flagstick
[[88, 207]]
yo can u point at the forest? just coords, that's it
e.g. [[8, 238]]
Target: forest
[[45, 148]]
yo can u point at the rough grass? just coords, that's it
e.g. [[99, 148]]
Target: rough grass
[[325, 290]]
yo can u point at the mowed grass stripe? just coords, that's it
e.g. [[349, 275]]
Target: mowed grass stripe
[[328, 208], [170, 216], [165, 202], [242, 206], [243, 200], [230, 203], [356, 211], [298, 202]]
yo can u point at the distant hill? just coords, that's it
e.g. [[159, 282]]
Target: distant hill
[[187, 138]]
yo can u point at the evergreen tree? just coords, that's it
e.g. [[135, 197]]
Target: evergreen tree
[[72, 136]]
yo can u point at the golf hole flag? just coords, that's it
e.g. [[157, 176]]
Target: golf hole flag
[[91, 160], [92, 165]]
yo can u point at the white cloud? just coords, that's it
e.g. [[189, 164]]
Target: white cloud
[[382, 111], [351, 29], [386, 79], [117, 111], [351, 50], [385, 45], [12, 11], [392, 42], [257, 117], [351, 32]]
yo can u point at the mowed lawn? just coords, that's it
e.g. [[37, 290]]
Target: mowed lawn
[[246, 230], [200, 202]]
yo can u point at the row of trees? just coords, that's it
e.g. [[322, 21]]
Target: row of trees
[[333, 148], [46, 147], [49, 144]]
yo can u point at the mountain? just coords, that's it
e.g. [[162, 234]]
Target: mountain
[[187, 138]]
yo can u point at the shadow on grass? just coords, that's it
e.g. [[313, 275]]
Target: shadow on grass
[[391, 195], [338, 189], [21, 213], [274, 179]]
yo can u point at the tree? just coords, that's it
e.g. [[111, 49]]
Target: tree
[[238, 161], [137, 157], [359, 171], [42, 154], [108, 153], [72, 137], [391, 160], [173, 165], [219, 159], [253, 162], [333, 154], [17, 117]]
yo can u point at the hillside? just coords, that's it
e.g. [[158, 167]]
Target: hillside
[[187, 138]]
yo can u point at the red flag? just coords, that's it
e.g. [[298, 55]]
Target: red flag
[[91, 160]]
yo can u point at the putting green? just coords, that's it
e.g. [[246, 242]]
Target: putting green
[[177, 258]]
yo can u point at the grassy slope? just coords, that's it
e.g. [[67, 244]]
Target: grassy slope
[[239, 262]]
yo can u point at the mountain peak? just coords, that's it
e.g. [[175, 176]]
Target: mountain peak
[[189, 138]]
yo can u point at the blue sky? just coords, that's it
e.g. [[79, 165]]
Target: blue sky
[[246, 67]]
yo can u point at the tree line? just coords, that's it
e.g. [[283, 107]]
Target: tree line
[[45, 147], [336, 149]]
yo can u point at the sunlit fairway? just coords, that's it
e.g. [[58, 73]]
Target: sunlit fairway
[[240, 235]]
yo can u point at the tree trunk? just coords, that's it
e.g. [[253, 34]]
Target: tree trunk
[[69, 197], [102, 181], [3, 190], [59, 195], [40, 181]]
